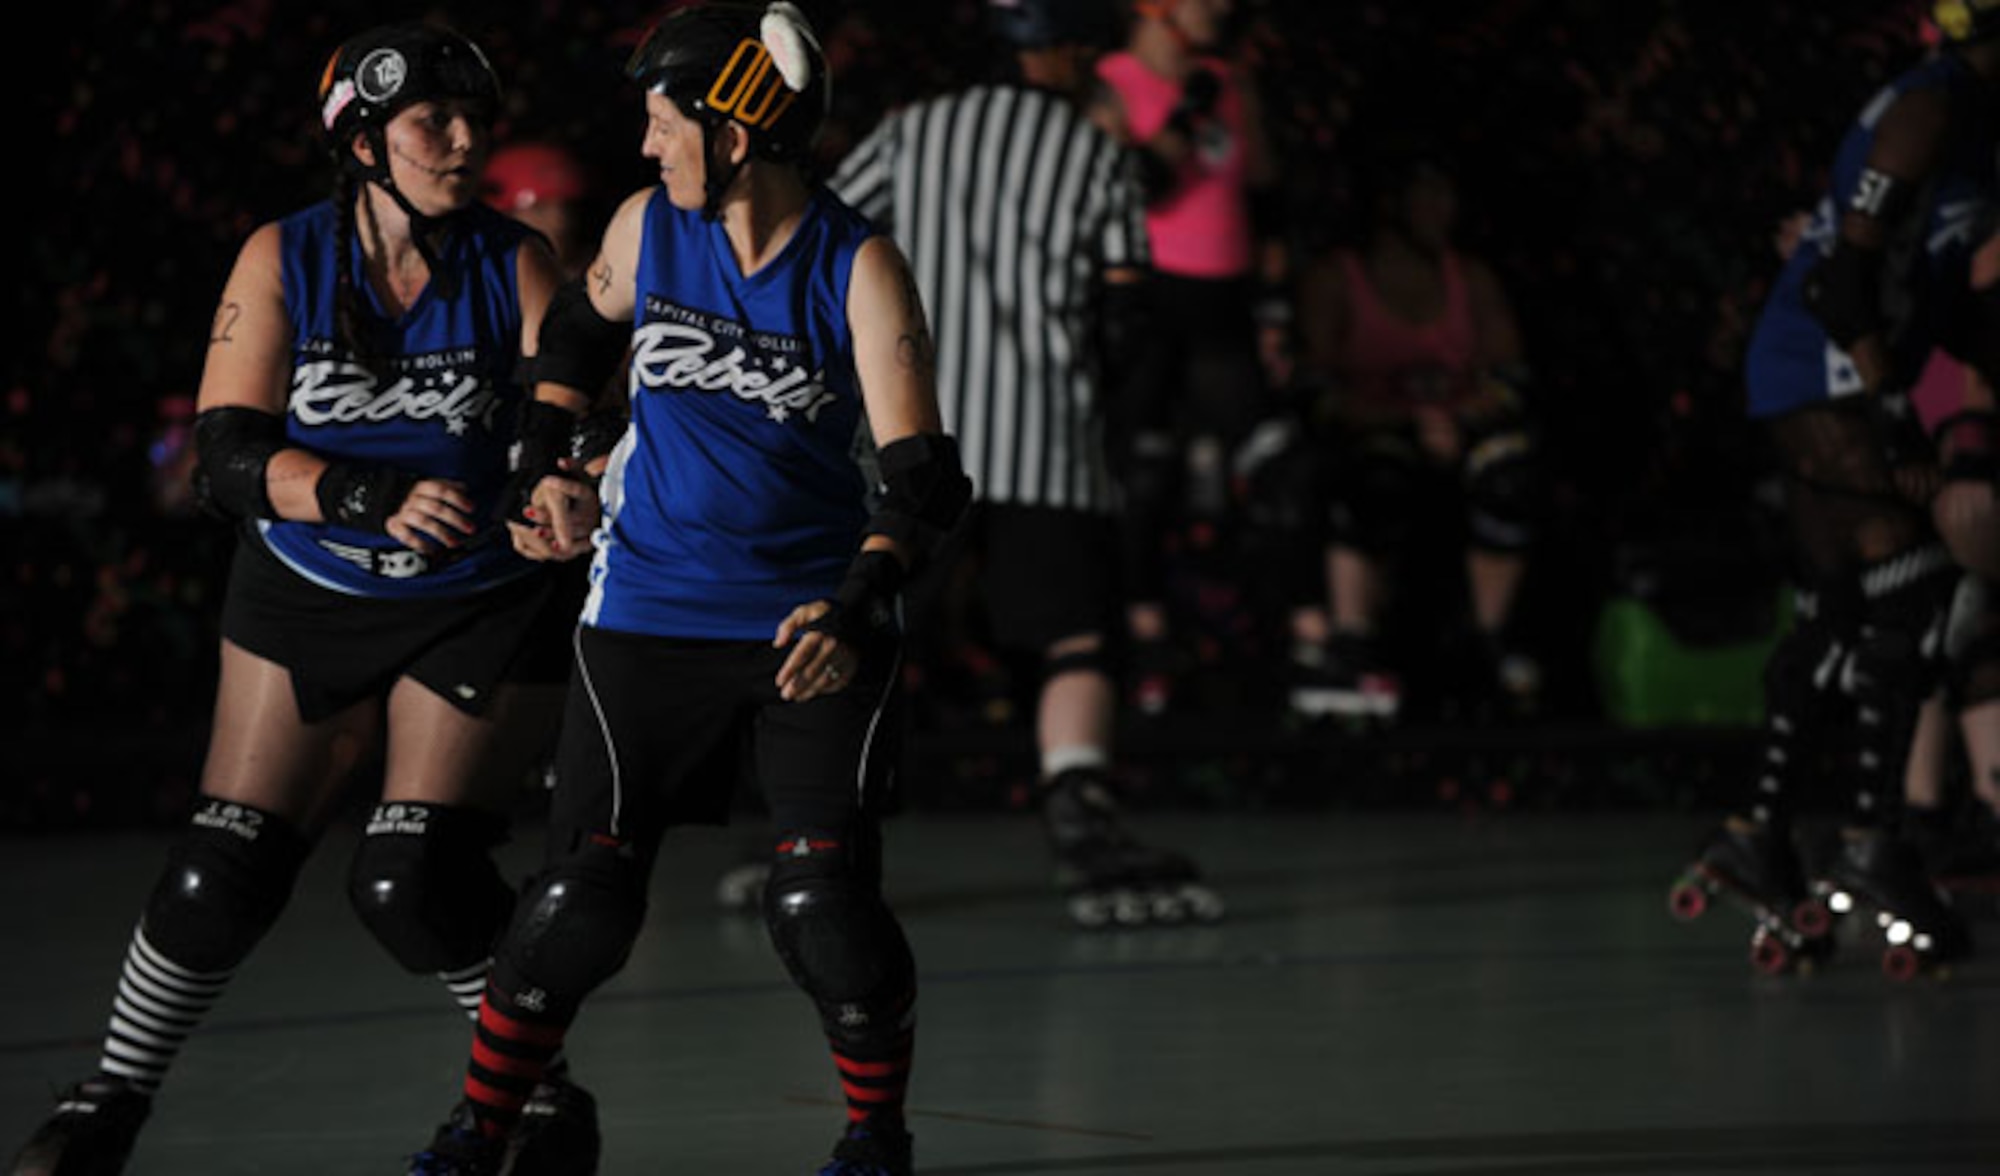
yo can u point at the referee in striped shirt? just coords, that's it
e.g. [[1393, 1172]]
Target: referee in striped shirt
[[1025, 229]]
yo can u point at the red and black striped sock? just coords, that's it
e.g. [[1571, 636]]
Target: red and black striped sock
[[511, 1049], [875, 1069]]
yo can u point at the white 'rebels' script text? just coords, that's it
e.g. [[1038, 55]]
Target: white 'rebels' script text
[[685, 358], [330, 392]]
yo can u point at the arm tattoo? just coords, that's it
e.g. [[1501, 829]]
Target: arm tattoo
[[914, 348], [225, 322], [602, 276]]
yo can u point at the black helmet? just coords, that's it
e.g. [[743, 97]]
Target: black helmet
[[1039, 24], [378, 73], [1962, 22], [759, 66]]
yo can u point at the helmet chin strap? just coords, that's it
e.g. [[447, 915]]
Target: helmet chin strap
[[422, 225], [715, 182]]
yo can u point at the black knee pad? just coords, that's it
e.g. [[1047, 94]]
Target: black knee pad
[[573, 928], [1502, 488], [1972, 643], [425, 884], [226, 881], [823, 905], [1372, 486]]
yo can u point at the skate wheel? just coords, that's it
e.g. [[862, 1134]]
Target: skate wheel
[[1130, 908], [1166, 906], [1204, 904], [1688, 900], [1089, 911], [1902, 963], [1769, 955], [1813, 919]]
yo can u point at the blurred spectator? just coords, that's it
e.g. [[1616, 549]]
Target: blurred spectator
[[543, 185], [1421, 376], [1196, 125]]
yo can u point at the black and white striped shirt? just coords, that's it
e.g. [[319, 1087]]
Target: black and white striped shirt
[[1009, 205]]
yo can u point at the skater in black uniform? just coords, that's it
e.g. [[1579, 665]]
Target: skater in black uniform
[[1881, 276], [1031, 340], [743, 616], [356, 410]]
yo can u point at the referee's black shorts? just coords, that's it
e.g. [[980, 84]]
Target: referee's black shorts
[[1042, 573], [660, 731], [342, 649]]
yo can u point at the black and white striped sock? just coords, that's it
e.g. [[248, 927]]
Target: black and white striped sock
[[158, 1004], [467, 985]]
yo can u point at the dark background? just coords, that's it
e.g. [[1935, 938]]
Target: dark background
[[1623, 165]]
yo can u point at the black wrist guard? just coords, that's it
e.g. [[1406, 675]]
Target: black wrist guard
[[865, 604], [597, 434], [362, 496], [1198, 97], [541, 441]]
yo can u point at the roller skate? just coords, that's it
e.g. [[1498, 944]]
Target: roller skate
[[1511, 681], [1348, 682], [458, 1149], [870, 1149], [1879, 876], [90, 1133], [1757, 870], [557, 1134], [1109, 878]]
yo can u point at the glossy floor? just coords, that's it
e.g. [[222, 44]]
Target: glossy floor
[[1392, 993]]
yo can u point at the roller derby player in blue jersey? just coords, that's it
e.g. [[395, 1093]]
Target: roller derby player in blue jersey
[[1879, 279], [746, 566], [356, 410]]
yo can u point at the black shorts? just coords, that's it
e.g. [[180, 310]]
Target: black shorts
[[342, 649], [659, 731], [1042, 573]]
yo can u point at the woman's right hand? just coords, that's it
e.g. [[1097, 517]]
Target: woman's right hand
[[436, 514], [562, 512]]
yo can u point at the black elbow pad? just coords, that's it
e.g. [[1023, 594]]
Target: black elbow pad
[[232, 446], [579, 348], [1844, 292], [925, 492]]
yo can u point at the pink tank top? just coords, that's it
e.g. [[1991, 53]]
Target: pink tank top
[[1391, 360], [1201, 229]]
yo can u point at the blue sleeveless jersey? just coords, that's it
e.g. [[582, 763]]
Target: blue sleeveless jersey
[[444, 406], [1791, 363], [735, 495]]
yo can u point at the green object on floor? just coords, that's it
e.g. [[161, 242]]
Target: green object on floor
[[1650, 676]]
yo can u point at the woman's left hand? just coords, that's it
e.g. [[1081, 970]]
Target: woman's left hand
[[818, 663]]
